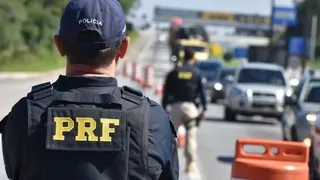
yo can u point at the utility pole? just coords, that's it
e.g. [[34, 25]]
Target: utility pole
[[306, 34], [314, 29], [271, 29]]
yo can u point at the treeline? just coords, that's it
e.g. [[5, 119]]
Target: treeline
[[27, 27]]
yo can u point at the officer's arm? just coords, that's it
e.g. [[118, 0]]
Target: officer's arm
[[163, 159], [13, 137], [166, 91], [202, 92], [171, 169]]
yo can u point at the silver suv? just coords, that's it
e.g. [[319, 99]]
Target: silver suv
[[257, 89]]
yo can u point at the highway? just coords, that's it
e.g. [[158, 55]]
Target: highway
[[216, 137]]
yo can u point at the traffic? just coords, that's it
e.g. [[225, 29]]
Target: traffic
[[253, 89]]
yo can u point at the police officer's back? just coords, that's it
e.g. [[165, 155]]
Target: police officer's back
[[84, 126], [184, 83]]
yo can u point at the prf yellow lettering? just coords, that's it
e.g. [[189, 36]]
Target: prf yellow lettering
[[83, 129], [106, 129], [86, 126], [185, 75], [61, 128]]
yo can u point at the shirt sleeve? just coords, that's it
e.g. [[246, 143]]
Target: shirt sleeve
[[163, 158], [202, 92], [13, 137], [166, 91]]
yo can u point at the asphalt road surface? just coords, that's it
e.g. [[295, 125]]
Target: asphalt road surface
[[216, 137]]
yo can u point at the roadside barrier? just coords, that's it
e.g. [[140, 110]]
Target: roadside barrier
[[127, 68], [159, 89], [136, 72], [148, 76], [281, 160]]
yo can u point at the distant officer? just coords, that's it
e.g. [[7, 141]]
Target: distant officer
[[84, 126], [182, 86]]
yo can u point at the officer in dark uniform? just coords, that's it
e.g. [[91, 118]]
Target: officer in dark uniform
[[182, 86], [84, 126]]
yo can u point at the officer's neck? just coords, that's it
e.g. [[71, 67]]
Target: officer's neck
[[85, 70]]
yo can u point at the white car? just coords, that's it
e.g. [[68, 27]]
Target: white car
[[257, 89]]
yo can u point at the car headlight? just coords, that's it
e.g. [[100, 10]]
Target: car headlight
[[280, 94], [311, 117], [218, 86], [204, 80], [294, 82], [249, 92]]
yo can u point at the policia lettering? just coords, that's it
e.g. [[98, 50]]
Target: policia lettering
[[185, 75], [86, 126]]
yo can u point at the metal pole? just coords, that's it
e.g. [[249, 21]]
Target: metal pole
[[273, 2], [314, 27], [306, 35]]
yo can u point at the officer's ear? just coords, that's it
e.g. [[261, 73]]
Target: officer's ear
[[123, 47], [59, 45]]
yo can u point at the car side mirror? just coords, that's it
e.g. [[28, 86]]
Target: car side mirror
[[227, 56], [290, 100]]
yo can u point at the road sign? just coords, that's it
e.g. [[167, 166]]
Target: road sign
[[240, 53], [296, 46], [169, 13], [284, 15]]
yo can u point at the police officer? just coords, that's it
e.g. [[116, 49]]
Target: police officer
[[84, 126], [182, 86]]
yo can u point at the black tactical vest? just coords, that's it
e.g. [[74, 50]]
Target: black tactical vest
[[85, 136]]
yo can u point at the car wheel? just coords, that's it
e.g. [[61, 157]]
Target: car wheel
[[279, 118], [294, 135], [284, 133], [313, 165], [213, 99], [229, 115]]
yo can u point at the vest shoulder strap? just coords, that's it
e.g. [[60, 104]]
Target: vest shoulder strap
[[142, 122], [132, 95], [40, 91]]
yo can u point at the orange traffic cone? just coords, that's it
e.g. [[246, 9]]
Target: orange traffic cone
[[136, 73], [127, 68], [281, 160], [159, 89], [181, 136], [148, 76]]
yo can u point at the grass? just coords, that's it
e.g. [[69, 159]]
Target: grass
[[43, 61], [315, 64], [232, 63]]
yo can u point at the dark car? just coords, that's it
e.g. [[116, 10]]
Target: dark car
[[220, 83], [301, 111], [210, 71]]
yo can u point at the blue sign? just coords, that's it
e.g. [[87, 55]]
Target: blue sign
[[284, 15], [240, 52], [296, 46]]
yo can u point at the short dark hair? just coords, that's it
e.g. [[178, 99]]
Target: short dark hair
[[97, 58], [188, 54]]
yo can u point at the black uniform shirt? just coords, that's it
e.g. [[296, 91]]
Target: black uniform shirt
[[172, 92], [161, 149]]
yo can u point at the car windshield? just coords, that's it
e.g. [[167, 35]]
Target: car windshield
[[261, 76], [313, 93], [195, 48], [226, 72], [209, 70]]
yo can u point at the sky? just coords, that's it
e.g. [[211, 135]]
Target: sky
[[262, 7]]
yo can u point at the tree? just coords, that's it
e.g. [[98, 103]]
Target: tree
[[27, 26]]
